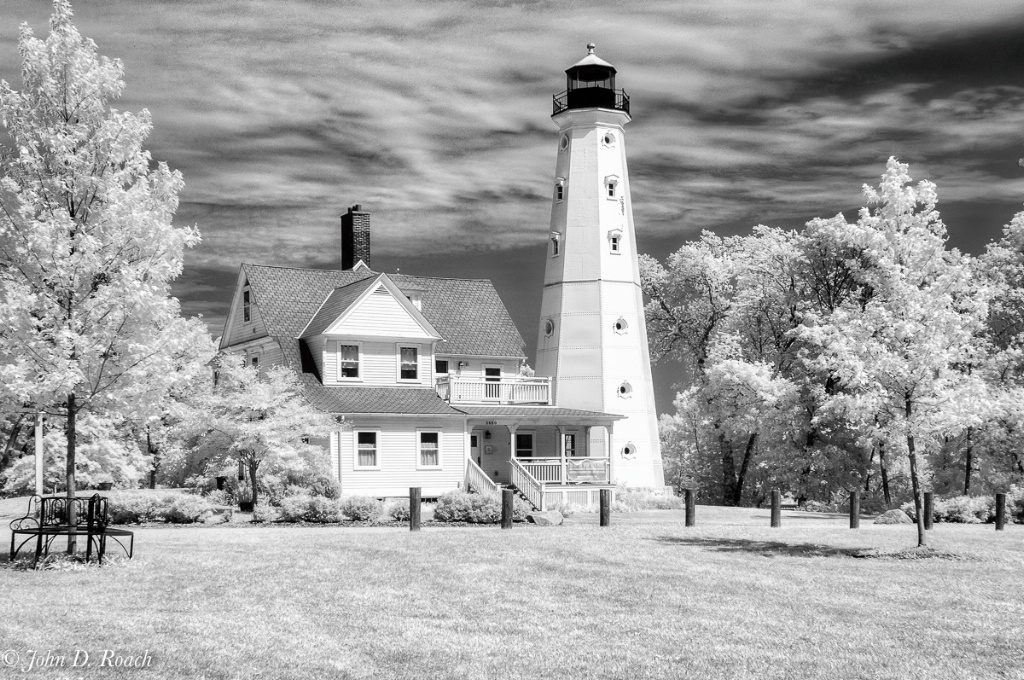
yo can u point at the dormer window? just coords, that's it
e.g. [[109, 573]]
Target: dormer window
[[559, 189], [615, 241], [556, 238], [408, 368], [611, 186], [415, 296], [246, 306]]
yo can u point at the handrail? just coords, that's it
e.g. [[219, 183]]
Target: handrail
[[530, 487], [478, 480], [500, 390]]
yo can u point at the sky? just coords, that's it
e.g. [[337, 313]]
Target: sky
[[435, 117]]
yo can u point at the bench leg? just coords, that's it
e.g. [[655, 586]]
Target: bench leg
[[39, 549]]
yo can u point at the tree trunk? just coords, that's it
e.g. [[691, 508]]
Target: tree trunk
[[969, 462], [253, 465], [156, 462], [885, 475], [867, 472], [915, 481], [728, 471], [747, 455], [69, 478], [12, 441]]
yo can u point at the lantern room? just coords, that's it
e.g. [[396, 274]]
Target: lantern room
[[590, 83]]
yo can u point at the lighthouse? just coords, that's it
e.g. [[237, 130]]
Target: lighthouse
[[592, 340]]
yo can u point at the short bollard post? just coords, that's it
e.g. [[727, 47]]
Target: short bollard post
[[414, 508], [1000, 511], [855, 510], [506, 508], [606, 507], [929, 505], [691, 509], [776, 508]]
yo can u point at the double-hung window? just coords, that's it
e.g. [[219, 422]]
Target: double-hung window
[[348, 361], [430, 449], [408, 363], [366, 450], [570, 445], [246, 306]]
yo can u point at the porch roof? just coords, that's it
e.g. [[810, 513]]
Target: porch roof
[[554, 415], [376, 400]]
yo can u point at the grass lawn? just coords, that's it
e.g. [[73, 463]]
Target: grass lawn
[[644, 598]]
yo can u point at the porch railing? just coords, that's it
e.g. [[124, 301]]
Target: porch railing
[[576, 470], [459, 390], [478, 480], [528, 485]]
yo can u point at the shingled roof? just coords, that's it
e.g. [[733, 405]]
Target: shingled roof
[[467, 313], [366, 400]]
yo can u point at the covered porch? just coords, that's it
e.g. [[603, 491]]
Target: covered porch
[[549, 454]]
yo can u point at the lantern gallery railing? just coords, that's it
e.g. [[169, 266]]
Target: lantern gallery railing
[[590, 98], [458, 390]]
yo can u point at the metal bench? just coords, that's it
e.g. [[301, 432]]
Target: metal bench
[[52, 516]]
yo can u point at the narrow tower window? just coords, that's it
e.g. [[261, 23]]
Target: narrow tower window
[[615, 241], [555, 243], [611, 186], [559, 189]]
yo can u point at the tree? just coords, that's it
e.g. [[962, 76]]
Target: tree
[[256, 421], [899, 351], [87, 244]]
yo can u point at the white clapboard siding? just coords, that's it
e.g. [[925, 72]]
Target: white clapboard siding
[[397, 457], [378, 364], [242, 331], [380, 314]]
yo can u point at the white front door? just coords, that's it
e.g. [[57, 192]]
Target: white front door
[[474, 448]]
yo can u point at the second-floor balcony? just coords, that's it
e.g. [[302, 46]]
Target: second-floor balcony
[[505, 390]]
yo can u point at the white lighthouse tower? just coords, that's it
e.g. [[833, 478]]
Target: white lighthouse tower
[[593, 337]]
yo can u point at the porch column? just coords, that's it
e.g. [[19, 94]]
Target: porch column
[[512, 440], [564, 479]]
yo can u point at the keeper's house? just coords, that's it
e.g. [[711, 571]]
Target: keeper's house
[[427, 375]]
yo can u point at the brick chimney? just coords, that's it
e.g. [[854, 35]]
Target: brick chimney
[[355, 237]]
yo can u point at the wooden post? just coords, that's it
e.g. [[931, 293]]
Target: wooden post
[[39, 454], [855, 509], [1000, 511], [414, 508], [506, 508], [776, 508], [928, 510], [606, 507], [691, 509], [564, 478]]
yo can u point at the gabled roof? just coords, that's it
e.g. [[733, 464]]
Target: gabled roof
[[466, 313], [339, 300]]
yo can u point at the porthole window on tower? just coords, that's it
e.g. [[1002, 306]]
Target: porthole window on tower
[[555, 243], [629, 450], [564, 143], [549, 328], [625, 390], [620, 326], [608, 139]]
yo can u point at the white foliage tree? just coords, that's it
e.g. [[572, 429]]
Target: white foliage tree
[[87, 244]]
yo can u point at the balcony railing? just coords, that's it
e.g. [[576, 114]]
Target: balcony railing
[[575, 470], [590, 98], [458, 390]]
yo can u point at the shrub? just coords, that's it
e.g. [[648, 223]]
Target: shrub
[[325, 486], [645, 499], [136, 508], [958, 509], [362, 508], [186, 508], [322, 510], [264, 512], [222, 497], [399, 511], [476, 508], [565, 509], [293, 508]]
